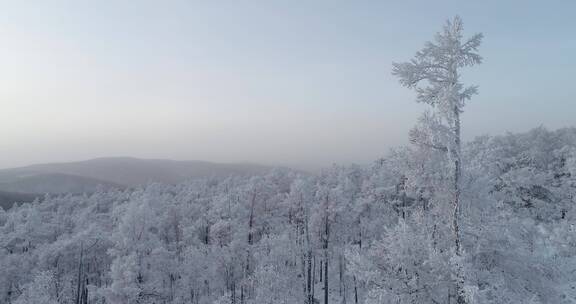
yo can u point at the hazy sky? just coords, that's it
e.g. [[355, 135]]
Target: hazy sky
[[274, 82]]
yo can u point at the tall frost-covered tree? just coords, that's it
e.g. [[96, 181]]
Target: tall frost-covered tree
[[434, 73]]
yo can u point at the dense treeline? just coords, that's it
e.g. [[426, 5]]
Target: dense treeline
[[376, 234]]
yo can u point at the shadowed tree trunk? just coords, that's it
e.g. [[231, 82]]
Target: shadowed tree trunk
[[79, 278], [326, 236]]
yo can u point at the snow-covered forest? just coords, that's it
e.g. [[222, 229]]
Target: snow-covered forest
[[440, 221], [376, 234]]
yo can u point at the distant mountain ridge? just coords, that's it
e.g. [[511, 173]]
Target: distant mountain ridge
[[114, 172], [55, 183]]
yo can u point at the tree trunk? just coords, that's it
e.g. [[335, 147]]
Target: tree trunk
[[460, 299], [84, 299], [313, 275], [309, 276], [251, 219], [321, 270], [355, 291], [340, 274], [309, 282], [79, 279], [457, 174], [300, 240], [326, 277], [360, 233], [326, 235]]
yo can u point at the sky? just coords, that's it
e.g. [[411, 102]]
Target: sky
[[297, 83]]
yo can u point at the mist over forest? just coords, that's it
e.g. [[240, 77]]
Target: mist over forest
[[440, 220]]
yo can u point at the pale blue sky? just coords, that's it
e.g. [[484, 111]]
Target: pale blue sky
[[302, 83]]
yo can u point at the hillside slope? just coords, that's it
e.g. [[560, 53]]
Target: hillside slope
[[85, 176]]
